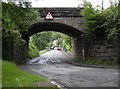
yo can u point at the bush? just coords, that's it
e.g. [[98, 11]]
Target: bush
[[32, 51]]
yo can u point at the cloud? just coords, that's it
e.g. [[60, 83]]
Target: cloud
[[68, 3]]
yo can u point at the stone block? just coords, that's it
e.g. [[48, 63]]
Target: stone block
[[97, 47], [103, 47]]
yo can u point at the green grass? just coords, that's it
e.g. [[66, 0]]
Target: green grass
[[0, 73], [13, 77], [90, 61]]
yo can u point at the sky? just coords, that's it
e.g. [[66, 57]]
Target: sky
[[68, 3]]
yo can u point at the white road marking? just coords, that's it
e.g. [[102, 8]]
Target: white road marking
[[56, 84], [117, 73], [68, 69]]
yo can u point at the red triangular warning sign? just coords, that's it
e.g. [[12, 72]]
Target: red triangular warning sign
[[49, 16]]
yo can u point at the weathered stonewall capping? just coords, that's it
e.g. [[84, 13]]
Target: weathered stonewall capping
[[61, 12]]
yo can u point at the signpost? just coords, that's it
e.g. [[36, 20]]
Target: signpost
[[49, 16]]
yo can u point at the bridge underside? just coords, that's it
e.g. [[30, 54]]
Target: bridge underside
[[102, 48], [51, 26], [77, 39]]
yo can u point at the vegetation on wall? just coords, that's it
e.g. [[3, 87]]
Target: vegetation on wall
[[101, 22], [32, 50], [15, 19], [101, 28]]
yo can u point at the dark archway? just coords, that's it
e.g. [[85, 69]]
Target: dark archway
[[51, 26], [77, 39]]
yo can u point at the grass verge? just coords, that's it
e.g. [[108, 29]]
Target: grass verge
[[97, 62], [13, 77], [0, 73]]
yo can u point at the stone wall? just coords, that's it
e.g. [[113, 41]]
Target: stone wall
[[13, 51], [77, 46], [20, 53], [75, 22], [7, 48], [102, 49], [61, 12]]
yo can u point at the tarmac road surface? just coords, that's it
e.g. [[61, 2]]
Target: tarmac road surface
[[69, 75]]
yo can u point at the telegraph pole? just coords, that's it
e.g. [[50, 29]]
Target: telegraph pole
[[102, 5]]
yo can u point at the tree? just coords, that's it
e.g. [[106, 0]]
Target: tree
[[17, 18], [99, 23], [41, 40], [32, 50], [45, 39], [112, 21], [90, 15]]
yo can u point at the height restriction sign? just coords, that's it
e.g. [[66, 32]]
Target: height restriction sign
[[49, 16]]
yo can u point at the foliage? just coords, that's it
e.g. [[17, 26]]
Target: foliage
[[63, 40], [98, 62], [13, 77], [41, 40], [89, 19], [68, 43], [99, 23], [17, 18], [112, 21], [32, 50], [45, 39]]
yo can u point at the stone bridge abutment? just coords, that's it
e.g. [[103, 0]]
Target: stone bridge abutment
[[66, 20], [76, 35]]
